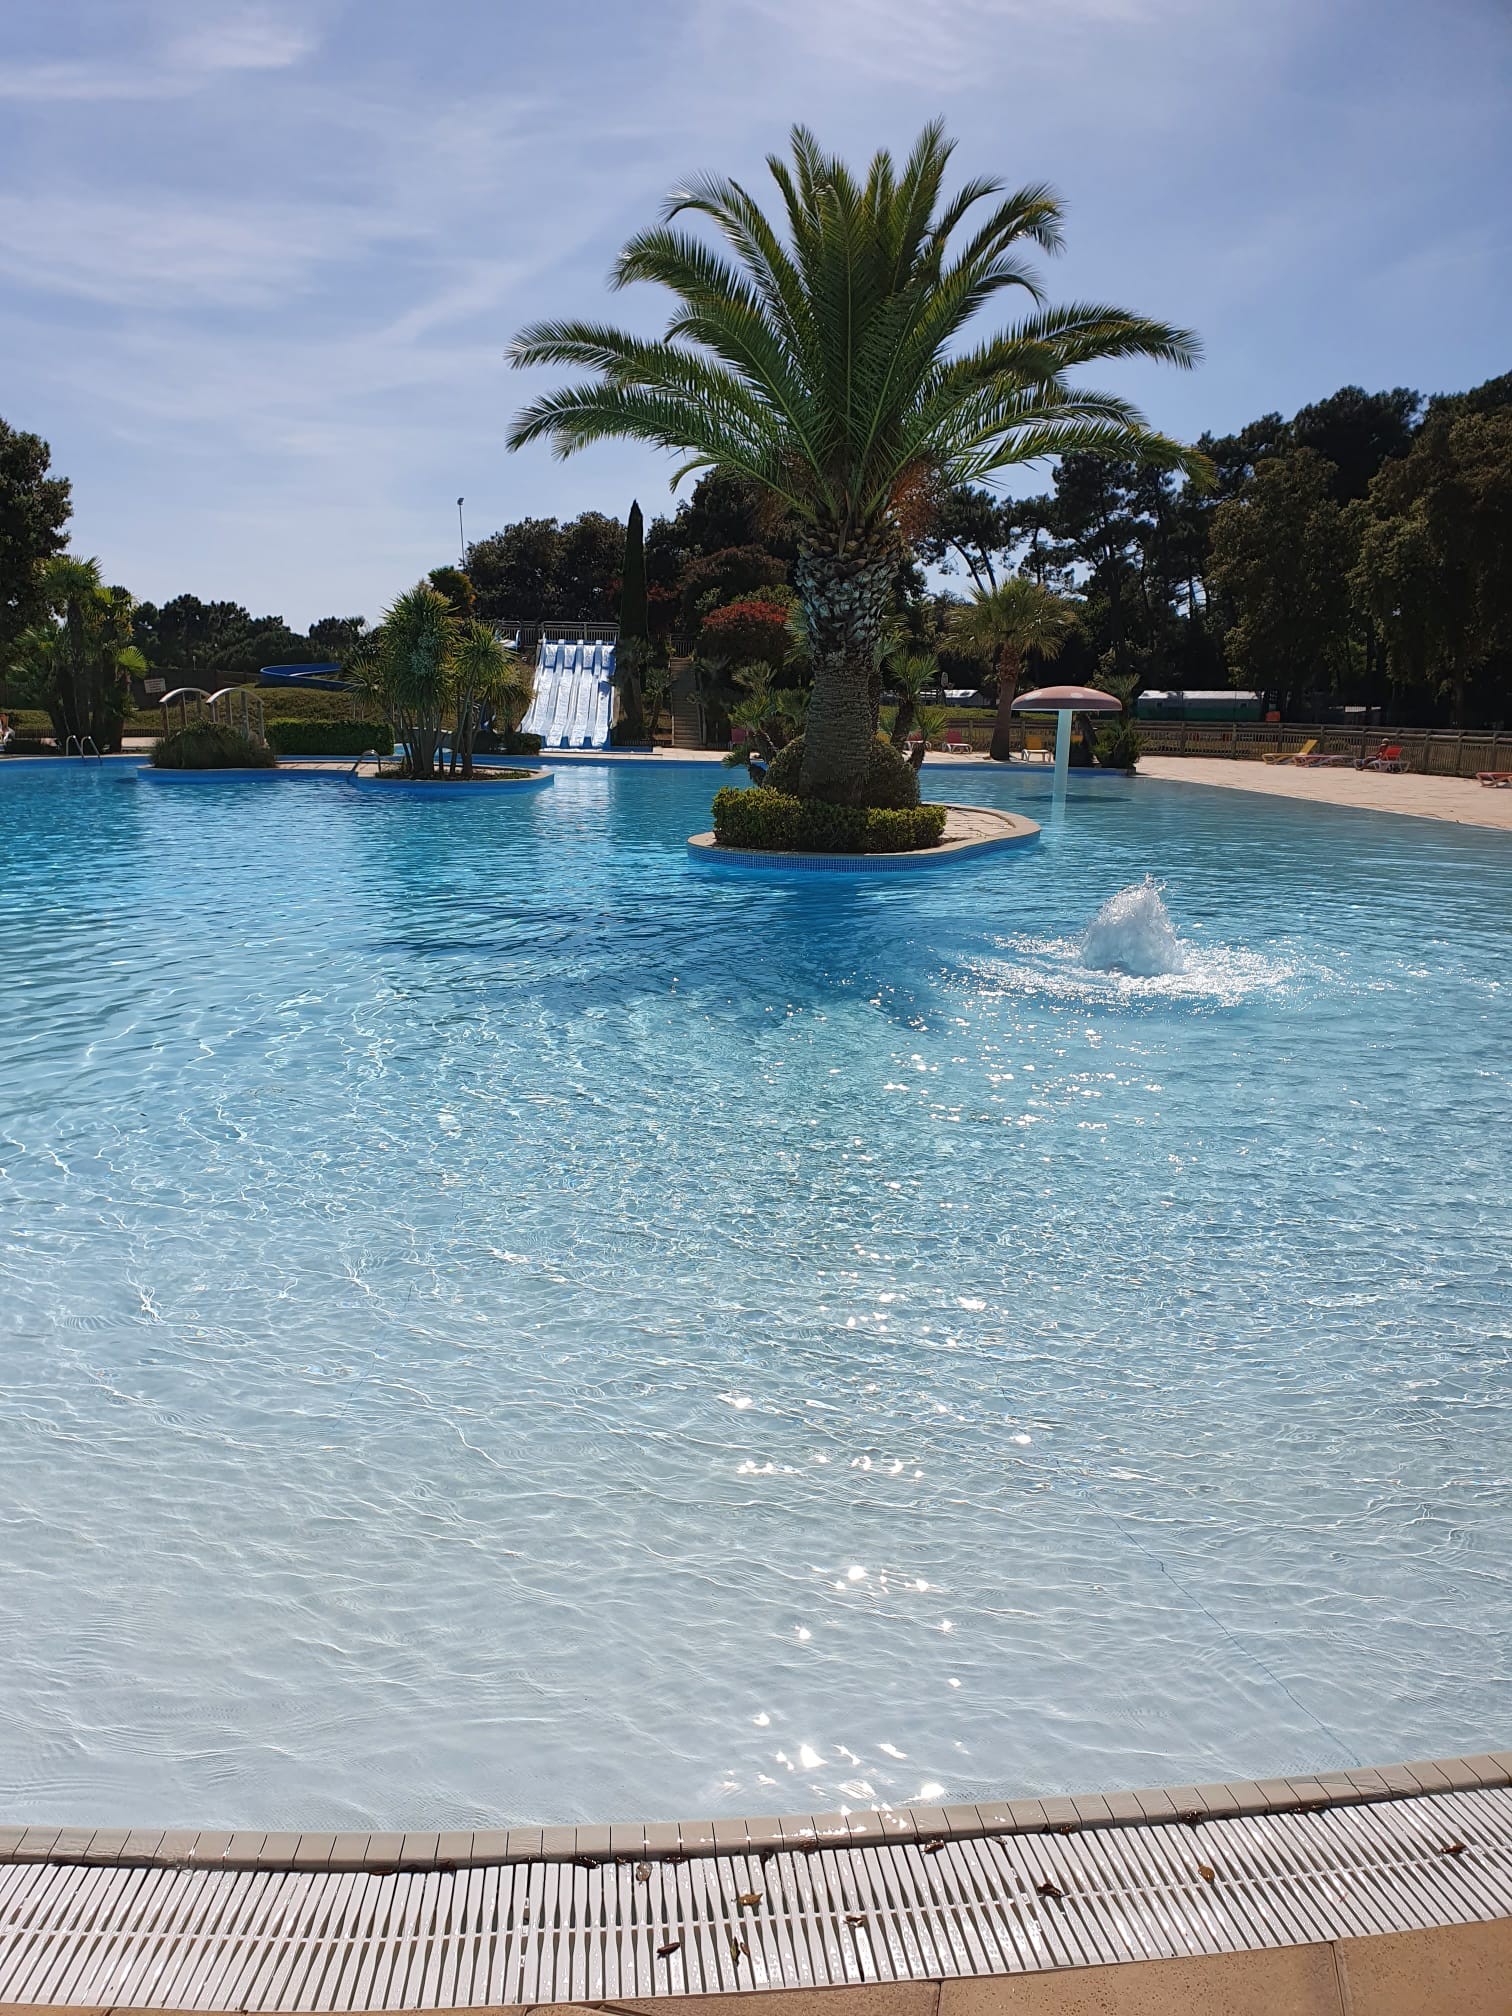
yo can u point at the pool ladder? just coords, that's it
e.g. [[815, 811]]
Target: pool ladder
[[86, 746]]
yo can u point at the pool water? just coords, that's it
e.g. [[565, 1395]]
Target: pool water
[[500, 1325]]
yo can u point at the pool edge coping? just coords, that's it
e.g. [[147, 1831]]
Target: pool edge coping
[[1016, 830], [681, 1840]]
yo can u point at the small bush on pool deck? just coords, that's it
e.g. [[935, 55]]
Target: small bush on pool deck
[[207, 745], [330, 738], [771, 821], [1118, 745]]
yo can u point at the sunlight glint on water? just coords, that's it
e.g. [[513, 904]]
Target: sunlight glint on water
[[497, 1326]]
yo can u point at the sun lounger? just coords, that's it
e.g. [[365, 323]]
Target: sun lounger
[[1498, 780], [1302, 755], [954, 746], [1387, 757]]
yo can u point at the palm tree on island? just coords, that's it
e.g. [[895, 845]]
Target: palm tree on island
[[828, 368]]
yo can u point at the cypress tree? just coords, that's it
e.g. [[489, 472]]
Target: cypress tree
[[634, 642]]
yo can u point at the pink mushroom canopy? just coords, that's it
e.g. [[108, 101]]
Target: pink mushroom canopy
[[1067, 700]]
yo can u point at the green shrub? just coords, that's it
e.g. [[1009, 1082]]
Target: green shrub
[[518, 743], [891, 782], [330, 738], [1118, 745], [209, 746], [294, 703], [766, 819]]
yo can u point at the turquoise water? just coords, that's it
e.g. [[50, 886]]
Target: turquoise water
[[497, 1325]]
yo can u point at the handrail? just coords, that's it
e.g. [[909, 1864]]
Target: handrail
[[78, 742]]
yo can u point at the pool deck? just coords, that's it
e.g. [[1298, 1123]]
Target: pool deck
[[1344, 1894], [1458, 799]]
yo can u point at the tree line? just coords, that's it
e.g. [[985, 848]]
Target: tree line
[[1359, 553]]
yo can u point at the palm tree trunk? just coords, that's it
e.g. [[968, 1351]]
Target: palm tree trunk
[[1009, 666], [844, 601]]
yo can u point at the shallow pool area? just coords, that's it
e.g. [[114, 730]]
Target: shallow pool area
[[497, 1325]]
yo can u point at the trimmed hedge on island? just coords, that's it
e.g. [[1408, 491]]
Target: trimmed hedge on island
[[208, 745], [770, 821], [330, 738]]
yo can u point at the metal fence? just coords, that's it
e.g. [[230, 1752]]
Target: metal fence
[[1431, 752]]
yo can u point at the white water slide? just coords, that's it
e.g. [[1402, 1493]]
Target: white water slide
[[574, 695]]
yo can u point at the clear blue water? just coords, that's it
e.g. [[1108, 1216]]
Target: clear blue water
[[497, 1325]]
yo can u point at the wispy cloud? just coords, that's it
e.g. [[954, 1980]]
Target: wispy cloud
[[177, 64], [943, 46], [259, 262]]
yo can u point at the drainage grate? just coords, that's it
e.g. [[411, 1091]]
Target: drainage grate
[[156, 1937]]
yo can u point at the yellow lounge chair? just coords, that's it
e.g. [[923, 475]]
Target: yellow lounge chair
[[1296, 756]]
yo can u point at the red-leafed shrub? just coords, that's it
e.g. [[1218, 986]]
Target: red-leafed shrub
[[747, 632]]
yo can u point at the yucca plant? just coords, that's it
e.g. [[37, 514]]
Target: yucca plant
[[828, 366]]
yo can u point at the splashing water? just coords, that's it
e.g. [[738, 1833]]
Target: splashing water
[[1133, 933]]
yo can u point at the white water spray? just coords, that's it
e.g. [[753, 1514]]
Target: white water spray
[[1133, 933]]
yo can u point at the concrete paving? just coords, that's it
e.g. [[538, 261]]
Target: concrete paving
[[1461, 800]]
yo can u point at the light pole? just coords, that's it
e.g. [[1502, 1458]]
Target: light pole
[[461, 536]]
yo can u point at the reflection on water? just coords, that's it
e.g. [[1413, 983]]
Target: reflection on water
[[497, 1327]]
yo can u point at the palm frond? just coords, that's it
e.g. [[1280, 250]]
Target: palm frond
[[822, 351]]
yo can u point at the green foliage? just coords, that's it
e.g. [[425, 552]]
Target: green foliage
[[331, 637], [455, 586], [1004, 626], [296, 704], [634, 647], [539, 568], [79, 660], [1118, 745], [829, 365], [753, 631], [828, 369], [767, 819], [889, 781], [208, 745], [632, 610], [426, 669], [1434, 552], [330, 738], [212, 644], [34, 509], [1280, 558], [518, 743]]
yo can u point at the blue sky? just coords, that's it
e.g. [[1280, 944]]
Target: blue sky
[[259, 262]]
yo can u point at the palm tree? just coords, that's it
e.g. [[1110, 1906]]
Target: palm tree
[[406, 665], [828, 368], [484, 674], [78, 663], [1005, 625]]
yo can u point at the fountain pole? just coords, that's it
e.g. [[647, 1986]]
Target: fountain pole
[[1062, 758]]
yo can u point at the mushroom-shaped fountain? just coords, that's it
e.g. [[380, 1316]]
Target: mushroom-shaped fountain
[[1063, 702]]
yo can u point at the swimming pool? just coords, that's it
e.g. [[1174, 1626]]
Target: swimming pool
[[498, 1326]]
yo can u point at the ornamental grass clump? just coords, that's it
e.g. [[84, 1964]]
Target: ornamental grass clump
[[210, 745]]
